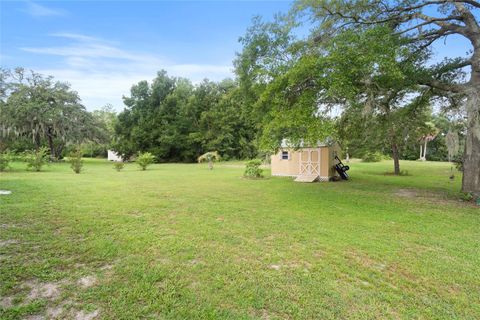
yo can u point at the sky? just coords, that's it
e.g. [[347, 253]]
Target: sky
[[104, 47]]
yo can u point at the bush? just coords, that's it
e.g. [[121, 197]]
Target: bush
[[5, 158], [372, 157], [145, 159], [253, 170], [76, 162], [466, 196], [118, 166], [36, 159], [209, 157]]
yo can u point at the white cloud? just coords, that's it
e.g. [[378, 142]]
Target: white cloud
[[101, 71], [37, 10]]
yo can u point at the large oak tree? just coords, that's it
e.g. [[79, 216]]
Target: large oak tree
[[423, 22], [46, 111]]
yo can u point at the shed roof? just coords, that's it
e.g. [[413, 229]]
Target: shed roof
[[287, 144]]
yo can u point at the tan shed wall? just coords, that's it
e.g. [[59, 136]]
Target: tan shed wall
[[324, 162], [290, 167]]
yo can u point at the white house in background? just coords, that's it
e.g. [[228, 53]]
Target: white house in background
[[113, 156]]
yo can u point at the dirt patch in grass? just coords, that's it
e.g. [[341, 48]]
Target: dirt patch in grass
[[431, 197], [6, 302], [292, 265], [135, 213], [423, 194], [82, 315], [163, 261], [87, 281], [406, 193], [35, 317], [58, 311], [194, 262], [50, 290], [265, 315], [56, 307], [55, 312], [7, 242], [106, 267]]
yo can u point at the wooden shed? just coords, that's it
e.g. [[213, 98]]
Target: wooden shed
[[307, 164]]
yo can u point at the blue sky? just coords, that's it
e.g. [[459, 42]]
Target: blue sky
[[103, 47]]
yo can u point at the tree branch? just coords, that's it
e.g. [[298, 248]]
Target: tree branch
[[469, 21], [442, 24], [448, 87], [426, 23]]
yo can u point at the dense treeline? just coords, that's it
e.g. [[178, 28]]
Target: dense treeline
[[178, 121]]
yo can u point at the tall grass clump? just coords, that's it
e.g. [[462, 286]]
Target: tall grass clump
[[209, 157], [36, 159], [75, 159], [145, 159], [253, 170]]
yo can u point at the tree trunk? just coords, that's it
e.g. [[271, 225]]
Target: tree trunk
[[59, 150], [421, 152], [471, 158], [396, 159], [425, 150], [51, 146], [37, 141]]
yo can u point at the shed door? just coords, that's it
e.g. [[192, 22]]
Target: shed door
[[310, 162]]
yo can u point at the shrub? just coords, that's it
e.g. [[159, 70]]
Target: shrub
[[118, 166], [5, 158], [466, 196], [372, 157], [210, 157], [36, 159], [76, 162], [253, 170], [145, 159]]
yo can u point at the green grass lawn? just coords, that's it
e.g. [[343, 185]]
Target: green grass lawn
[[181, 242]]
